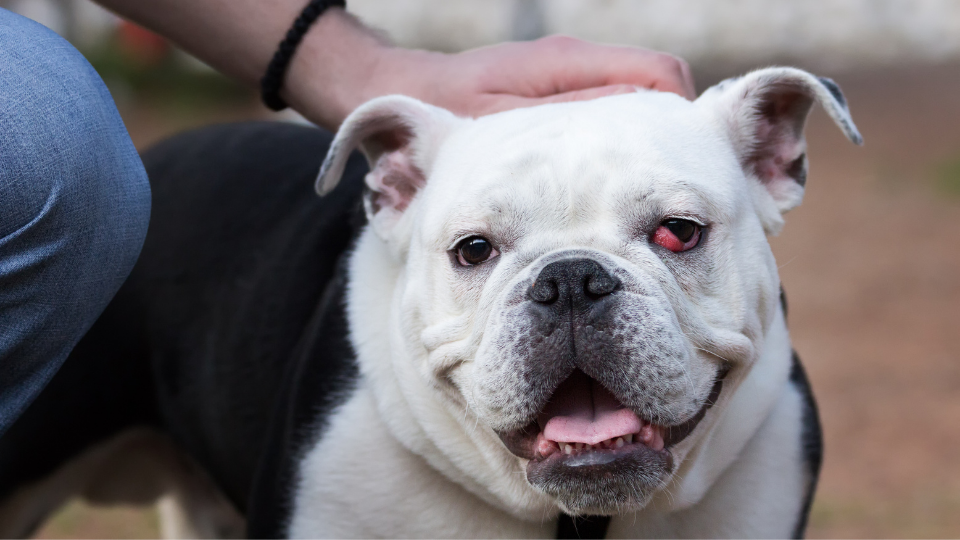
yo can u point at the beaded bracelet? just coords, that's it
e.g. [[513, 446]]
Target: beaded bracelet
[[273, 79]]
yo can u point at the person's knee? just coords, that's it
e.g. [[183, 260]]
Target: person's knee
[[74, 197], [67, 165], [74, 205]]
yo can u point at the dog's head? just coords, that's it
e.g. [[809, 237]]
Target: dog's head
[[584, 280]]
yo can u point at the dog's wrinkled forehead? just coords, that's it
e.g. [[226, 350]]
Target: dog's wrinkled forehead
[[581, 164], [628, 147]]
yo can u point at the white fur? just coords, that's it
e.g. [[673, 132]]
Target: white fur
[[413, 452]]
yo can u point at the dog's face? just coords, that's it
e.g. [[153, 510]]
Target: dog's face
[[586, 280]]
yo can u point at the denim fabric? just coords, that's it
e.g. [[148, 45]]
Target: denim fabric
[[74, 205]]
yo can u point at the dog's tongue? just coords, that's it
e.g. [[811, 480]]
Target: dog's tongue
[[582, 410]]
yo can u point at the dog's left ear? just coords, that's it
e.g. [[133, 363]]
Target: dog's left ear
[[399, 136], [765, 112]]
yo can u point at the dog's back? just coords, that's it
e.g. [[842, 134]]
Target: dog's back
[[191, 353]]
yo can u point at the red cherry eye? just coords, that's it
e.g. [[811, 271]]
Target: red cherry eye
[[678, 235]]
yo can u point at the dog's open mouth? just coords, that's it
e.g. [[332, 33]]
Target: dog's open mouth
[[583, 416], [593, 453]]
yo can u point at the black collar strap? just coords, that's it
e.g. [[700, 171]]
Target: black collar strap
[[582, 526]]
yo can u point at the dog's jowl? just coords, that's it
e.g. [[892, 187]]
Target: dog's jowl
[[497, 327]]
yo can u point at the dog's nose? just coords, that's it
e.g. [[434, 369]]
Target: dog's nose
[[573, 282]]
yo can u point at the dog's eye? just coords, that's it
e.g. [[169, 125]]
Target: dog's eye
[[677, 235], [475, 250]]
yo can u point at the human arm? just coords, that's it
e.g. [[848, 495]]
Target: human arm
[[341, 63]]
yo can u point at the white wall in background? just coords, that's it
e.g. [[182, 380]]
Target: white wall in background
[[449, 25], [80, 21], [831, 34], [826, 34]]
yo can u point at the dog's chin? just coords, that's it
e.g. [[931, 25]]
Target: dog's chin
[[602, 467], [602, 481]]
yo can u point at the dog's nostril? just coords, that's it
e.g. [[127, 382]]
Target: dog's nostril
[[544, 291], [600, 285]]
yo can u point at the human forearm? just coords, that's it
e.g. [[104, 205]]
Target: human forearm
[[239, 37], [236, 37]]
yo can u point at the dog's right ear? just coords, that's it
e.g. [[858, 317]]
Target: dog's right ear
[[764, 113], [399, 136]]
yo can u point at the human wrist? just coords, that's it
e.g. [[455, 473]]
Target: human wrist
[[272, 79], [335, 52], [341, 64]]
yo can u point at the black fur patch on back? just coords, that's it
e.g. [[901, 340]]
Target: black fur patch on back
[[323, 374], [238, 258], [783, 302], [811, 440]]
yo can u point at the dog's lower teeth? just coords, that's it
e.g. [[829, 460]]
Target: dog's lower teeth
[[619, 442]]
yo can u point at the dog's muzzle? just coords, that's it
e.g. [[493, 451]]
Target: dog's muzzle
[[585, 447], [595, 455]]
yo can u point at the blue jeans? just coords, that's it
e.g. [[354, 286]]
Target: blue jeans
[[74, 206]]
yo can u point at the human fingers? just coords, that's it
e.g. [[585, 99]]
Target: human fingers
[[560, 64], [502, 102]]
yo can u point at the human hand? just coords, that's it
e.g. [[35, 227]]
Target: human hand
[[342, 64], [522, 74]]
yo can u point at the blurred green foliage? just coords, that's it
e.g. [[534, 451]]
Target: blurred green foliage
[[167, 79], [948, 177]]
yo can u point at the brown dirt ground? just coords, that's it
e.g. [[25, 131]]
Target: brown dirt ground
[[871, 266]]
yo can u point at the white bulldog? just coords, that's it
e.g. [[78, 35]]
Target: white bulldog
[[573, 308]]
